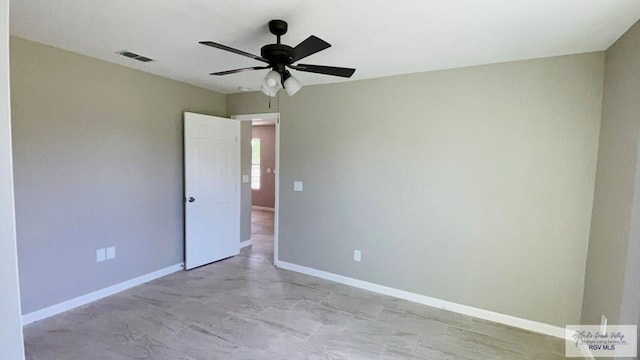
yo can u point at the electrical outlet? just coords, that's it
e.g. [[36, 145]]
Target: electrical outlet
[[357, 255], [101, 255], [111, 253], [297, 186], [245, 179], [603, 324]]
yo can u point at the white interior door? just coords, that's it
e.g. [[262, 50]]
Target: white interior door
[[212, 191]]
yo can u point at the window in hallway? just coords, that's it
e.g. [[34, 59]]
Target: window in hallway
[[255, 164]]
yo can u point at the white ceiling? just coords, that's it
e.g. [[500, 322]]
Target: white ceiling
[[378, 37]]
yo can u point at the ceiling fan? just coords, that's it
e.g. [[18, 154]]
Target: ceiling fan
[[279, 57]]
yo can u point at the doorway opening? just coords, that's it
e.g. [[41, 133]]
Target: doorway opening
[[260, 144]]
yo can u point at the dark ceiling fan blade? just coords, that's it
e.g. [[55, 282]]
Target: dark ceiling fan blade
[[310, 46], [240, 70], [235, 51], [326, 70]]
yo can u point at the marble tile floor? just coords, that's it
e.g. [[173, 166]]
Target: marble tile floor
[[244, 308]]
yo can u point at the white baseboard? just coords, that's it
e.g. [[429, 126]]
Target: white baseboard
[[96, 295], [245, 243], [255, 207], [530, 325]]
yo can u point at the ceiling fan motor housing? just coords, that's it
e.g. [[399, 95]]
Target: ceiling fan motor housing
[[277, 54]]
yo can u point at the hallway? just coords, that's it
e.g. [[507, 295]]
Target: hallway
[[261, 235]]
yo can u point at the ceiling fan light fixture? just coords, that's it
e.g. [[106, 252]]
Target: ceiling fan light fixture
[[269, 91], [271, 83], [292, 85]]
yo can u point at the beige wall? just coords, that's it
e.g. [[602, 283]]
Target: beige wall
[[266, 195], [11, 327], [612, 287], [98, 162], [471, 185]]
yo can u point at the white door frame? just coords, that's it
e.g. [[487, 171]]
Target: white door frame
[[276, 210]]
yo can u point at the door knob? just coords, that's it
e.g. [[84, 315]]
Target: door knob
[[191, 199]]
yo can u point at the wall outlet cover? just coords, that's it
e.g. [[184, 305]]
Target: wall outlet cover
[[111, 253], [245, 179], [357, 255], [101, 255], [297, 186]]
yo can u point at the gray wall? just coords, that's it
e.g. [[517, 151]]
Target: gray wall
[[266, 195], [10, 328], [471, 185], [245, 169], [98, 163], [611, 286]]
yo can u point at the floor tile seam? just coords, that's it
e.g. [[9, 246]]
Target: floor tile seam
[[334, 307], [367, 338]]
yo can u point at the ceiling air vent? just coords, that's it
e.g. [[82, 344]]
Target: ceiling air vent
[[134, 56]]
